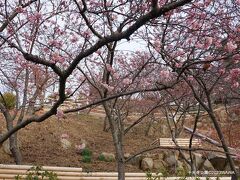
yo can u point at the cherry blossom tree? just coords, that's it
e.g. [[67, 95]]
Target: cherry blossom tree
[[13, 74], [75, 42], [203, 50]]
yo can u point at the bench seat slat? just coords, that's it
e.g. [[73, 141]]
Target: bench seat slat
[[8, 177], [100, 174], [11, 176], [80, 174], [11, 173], [168, 142], [49, 168]]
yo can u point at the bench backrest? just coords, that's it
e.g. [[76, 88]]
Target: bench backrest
[[168, 142]]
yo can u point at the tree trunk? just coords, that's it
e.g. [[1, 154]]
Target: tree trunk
[[106, 124], [224, 145], [150, 125], [119, 156], [13, 142], [121, 170], [32, 102], [31, 107], [217, 127], [116, 127]]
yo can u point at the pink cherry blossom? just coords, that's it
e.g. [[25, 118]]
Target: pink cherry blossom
[[235, 85], [230, 47], [165, 74], [236, 58], [199, 45], [60, 113], [46, 50], [34, 17], [238, 2], [87, 34], [10, 29], [190, 78], [55, 43], [127, 81], [157, 45], [64, 136], [207, 2], [57, 58], [98, 52], [80, 147], [208, 42], [109, 88], [108, 3], [222, 71], [196, 25], [179, 65], [68, 91], [109, 68], [116, 75], [19, 9], [234, 74], [74, 39]]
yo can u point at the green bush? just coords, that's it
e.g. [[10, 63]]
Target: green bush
[[86, 152], [8, 99], [86, 159], [86, 155], [101, 157]]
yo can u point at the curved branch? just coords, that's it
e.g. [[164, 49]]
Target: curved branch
[[116, 36]]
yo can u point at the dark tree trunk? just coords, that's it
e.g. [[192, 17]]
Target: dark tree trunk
[[117, 134], [106, 124], [222, 139], [13, 143], [119, 156], [14, 148], [31, 106], [121, 170]]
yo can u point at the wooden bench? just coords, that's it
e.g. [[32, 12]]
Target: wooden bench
[[182, 142], [9, 172]]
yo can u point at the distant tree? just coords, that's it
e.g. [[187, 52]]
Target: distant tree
[[8, 100]]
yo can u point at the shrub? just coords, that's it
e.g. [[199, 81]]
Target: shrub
[[86, 155], [86, 159], [101, 157], [37, 173], [86, 152], [106, 158], [8, 100], [150, 176], [184, 178], [164, 171], [182, 172]]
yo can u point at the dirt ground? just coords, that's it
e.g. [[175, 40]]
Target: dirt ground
[[40, 142]]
